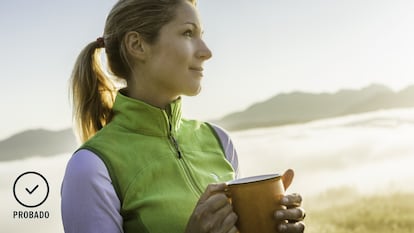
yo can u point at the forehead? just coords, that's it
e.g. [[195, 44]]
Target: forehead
[[186, 13]]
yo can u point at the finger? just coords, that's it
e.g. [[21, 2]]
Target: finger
[[233, 230], [224, 219], [213, 189], [298, 227], [291, 200], [229, 222], [287, 178], [217, 202], [294, 214]]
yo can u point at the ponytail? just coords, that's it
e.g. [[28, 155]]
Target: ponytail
[[93, 93]]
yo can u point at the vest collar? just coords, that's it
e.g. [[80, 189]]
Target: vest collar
[[144, 118]]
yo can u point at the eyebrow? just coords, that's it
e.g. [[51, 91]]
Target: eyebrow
[[195, 26], [192, 23]]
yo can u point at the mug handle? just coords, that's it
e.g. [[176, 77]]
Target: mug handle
[[287, 178]]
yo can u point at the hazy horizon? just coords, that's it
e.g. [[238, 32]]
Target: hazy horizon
[[5, 134]]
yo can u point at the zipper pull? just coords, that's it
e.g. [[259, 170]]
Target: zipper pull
[[177, 148], [171, 136]]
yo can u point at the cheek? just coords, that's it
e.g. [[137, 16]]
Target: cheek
[[174, 56], [181, 52]]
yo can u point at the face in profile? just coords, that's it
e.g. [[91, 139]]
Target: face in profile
[[177, 57]]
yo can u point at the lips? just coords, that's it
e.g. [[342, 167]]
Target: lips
[[197, 68]]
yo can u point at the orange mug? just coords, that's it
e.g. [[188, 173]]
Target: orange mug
[[255, 200]]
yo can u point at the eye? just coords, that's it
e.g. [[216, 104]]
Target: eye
[[188, 33]]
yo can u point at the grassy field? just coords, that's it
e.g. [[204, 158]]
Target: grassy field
[[351, 213]]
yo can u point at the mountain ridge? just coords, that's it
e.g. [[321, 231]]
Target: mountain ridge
[[300, 107], [281, 109], [37, 142]]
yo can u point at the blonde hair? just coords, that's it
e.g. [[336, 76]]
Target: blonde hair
[[93, 91]]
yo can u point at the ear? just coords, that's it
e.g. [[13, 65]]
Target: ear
[[135, 45]]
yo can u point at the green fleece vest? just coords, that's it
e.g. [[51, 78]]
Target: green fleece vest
[[159, 164]]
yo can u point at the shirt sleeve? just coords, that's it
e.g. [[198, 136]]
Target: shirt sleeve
[[228, 147], [89, 202]]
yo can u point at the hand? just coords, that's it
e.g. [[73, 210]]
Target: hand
[[292, 217], [213, 212]]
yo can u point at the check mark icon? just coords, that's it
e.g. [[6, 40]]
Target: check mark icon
[[31, 191]]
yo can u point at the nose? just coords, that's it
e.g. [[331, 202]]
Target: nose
[[203, 51]]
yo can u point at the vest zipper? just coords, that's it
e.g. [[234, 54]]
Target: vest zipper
[[193, 182], [184, 165], [175, 144], [174, 141]]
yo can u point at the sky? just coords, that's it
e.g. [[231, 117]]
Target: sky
[[260, 49]]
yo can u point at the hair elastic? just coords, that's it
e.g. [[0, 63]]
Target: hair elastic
[[101, 42]]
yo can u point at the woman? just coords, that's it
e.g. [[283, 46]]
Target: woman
[[142, 168]]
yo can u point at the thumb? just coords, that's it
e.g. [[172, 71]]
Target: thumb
[[287, 178], [213, 189]]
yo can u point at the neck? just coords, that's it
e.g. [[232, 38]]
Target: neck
[[149, 96]]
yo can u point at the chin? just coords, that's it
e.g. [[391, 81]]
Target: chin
[[194, 92]]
